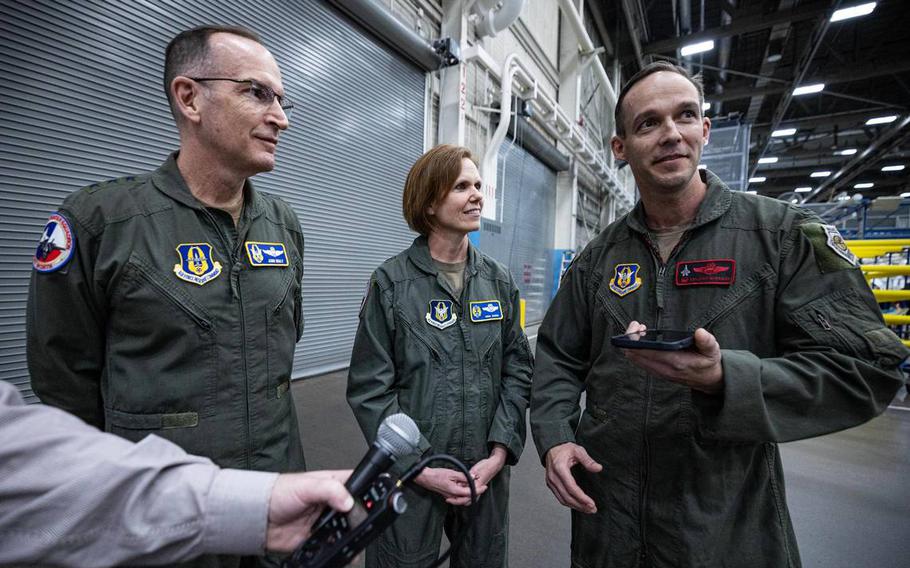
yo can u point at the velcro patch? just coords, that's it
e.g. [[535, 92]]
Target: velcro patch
[[715, 272], [831, 252], [487, 310], [56, 246], [266, 254]]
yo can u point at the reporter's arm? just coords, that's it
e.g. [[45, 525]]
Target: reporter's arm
[[73, 496]]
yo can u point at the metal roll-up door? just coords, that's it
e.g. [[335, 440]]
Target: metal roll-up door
[[83, 102], [523, 239]]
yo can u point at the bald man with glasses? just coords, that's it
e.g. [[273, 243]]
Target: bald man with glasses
[[169, 303]]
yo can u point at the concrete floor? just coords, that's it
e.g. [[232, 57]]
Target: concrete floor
[[849, 493]]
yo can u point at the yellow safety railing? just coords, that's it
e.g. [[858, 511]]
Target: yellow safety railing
[[876, 247]]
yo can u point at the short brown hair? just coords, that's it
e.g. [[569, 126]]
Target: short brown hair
[[188, 52], [650, 69], [431, 177]]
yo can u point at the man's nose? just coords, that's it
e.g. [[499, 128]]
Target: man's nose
[[670, 131], [277, 116]]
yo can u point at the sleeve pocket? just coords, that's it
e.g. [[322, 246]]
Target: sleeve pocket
[[845, 322]]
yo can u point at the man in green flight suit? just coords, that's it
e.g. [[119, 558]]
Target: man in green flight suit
[[676, 455], [169, 302]]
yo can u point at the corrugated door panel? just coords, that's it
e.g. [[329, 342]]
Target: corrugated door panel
[[523, 240], [83, 102]]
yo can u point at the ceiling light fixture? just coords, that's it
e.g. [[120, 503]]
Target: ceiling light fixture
[[783, 132], [803, 189], [847, 152], [881, 120], [864, 185], [853, 12], [808, 89], [759, 179], [768, 160], [822, 174], [705, 106], [694, 48], [893, 168]]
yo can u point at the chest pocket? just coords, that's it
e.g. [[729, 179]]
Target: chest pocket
[[284, 325], [161, 370]]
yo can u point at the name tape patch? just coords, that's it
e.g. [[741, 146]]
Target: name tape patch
[[486, 310], [266, 254], [715, 272]]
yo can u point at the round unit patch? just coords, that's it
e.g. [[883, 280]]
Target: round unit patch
[[56, 245]]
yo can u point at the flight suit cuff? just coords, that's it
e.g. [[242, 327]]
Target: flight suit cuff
[[550, 434], [510, 441], [732, 414], [237, 512]]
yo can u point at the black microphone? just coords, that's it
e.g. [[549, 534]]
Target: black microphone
[[397, 436]]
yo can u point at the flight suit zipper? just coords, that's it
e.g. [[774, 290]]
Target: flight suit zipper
[[661, 270], [235, 291]]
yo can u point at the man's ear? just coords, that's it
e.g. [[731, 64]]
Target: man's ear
[[186, 95], [706, 129], [619, 148]]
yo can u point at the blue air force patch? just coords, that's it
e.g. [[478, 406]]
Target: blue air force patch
[[441, 314], [625, 279], [196, 264], [266, 254], [486, 310], [56, 246]]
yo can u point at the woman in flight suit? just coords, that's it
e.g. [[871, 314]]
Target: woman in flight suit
[[440, 340]]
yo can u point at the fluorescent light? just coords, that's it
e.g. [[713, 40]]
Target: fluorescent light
[[847, 152], [702, 167], [842, 197], [705, 106], [865, 185], [905, 195], [752, 191], [853, 12], [769, 160], [893, 168], [808, 89], [783, 132], [803, 189], [759, 179], [694, 48], [822, 174], [881, 120]]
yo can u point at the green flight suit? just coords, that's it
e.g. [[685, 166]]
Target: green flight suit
[[117, 337], [689, 479], [460, 367]]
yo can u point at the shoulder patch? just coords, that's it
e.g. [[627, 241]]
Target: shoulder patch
[[56, 245], [831, 252]]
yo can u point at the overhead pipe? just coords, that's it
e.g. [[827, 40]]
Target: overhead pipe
[[587, 47], [488, 168]]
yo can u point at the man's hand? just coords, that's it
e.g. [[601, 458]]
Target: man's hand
[[699, 368], [449, 483], [560, 460], [296, 502]]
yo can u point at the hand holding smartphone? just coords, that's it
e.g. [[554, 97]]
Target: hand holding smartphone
[[659, 339]]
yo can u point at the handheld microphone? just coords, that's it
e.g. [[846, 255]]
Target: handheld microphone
[[398, 436], [378, 500]]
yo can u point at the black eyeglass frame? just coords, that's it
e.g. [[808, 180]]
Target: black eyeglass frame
[[285, 103]]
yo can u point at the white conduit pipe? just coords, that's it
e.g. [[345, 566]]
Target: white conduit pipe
[[587, 47], [488, 167]]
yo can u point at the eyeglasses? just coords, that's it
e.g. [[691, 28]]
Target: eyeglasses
[[263, 94]]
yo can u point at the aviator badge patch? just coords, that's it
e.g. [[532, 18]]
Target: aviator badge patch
[[55, 248], [486, 310], [266, 254], [196, 264], [441, 314], [625, 279]]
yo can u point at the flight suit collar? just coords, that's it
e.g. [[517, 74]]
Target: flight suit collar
[[716, 202], [419, 254], [168, 179]]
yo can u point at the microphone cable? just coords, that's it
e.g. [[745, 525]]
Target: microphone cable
[[409, 476]]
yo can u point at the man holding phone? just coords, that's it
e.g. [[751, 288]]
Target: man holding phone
[[678, 463]]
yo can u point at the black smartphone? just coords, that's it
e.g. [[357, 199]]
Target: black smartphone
[[660, 339]]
